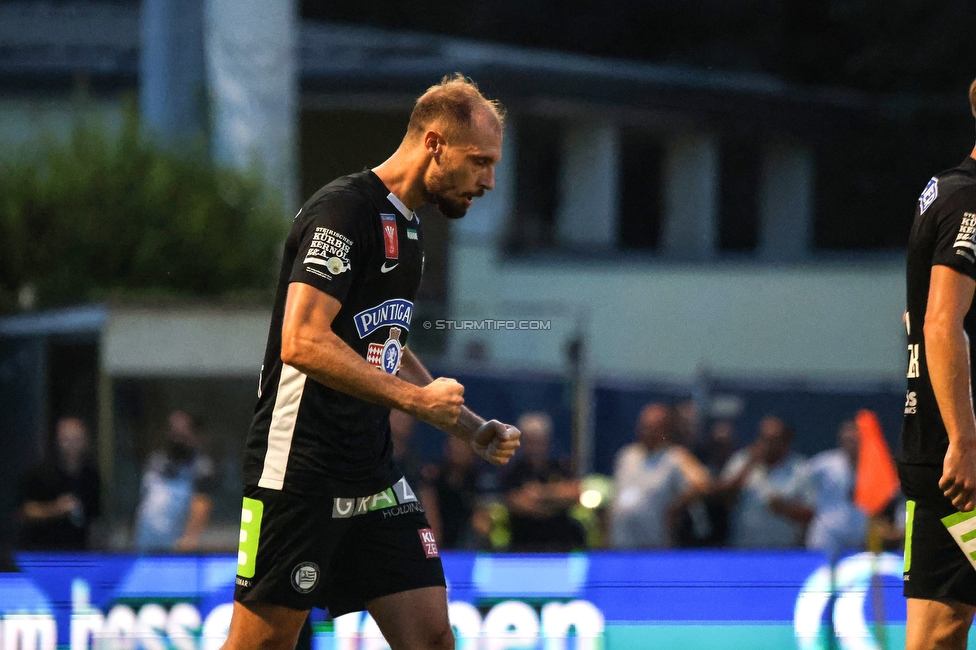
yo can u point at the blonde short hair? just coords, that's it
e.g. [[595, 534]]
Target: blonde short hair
[[453, 100]]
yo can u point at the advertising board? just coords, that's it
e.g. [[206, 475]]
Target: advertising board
[[600, 600]]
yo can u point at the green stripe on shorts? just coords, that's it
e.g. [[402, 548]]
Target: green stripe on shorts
[[909, 520], [957, 518], [247, 551]]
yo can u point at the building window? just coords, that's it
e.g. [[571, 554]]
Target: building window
[[533, 225], [641, 190], [740, 165]]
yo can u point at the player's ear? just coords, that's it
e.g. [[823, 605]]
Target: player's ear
[[433, 143]]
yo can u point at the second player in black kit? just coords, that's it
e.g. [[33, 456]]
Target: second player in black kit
[[313, 449], [943, 234]]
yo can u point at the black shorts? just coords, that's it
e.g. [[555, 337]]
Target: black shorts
[[935, 567], [332, 552]]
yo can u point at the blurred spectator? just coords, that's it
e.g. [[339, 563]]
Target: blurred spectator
[[706, 522], [686, 424], [655, 480], [718, 446], [404, 451], [450, 495], [766, 485], [60, 498], [837, 524], [539, 493], [176, 486]]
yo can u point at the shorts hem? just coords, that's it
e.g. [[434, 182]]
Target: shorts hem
[[252, 597], [347, 607]]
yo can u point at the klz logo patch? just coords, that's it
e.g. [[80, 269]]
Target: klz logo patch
[[390, 239], [429, 543], [929, 195], [305, 577]]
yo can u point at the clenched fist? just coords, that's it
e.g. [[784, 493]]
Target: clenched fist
[[959, 476], [495, 442], [440, 403]]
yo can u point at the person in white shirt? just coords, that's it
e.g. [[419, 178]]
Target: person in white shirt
[[837, 523], [654, 479], [767, 490]]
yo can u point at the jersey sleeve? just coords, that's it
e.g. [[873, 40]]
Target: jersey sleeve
[[332, 244], [955, 244]]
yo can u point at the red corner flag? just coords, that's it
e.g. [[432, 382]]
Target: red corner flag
[[877, 479]]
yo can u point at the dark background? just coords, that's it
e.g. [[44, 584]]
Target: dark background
[[904, 46]]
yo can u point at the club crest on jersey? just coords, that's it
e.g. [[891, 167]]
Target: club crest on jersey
[[396, 311], [929, 195], [390, 240], [386, 356]]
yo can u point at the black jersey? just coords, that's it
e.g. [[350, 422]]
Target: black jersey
[[357, 242], [944, 233]]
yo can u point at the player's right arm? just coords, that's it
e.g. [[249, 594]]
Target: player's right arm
[[947, 358], [309, 345]]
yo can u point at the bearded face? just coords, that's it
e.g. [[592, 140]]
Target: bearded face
[[445, 188], [463, 167]]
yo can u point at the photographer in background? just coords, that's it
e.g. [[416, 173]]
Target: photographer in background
[[176, 486]]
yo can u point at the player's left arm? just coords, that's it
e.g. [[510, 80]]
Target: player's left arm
[[947, 359], [494, 441]]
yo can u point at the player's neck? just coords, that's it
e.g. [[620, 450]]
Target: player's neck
[[973, 154], [403, 174]]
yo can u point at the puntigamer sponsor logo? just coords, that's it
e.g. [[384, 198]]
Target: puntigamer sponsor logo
[[392, 312]]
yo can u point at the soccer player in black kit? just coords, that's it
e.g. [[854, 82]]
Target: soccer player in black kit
[[328, 520], [937, 454]]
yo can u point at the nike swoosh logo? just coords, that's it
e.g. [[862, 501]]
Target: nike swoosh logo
[[384, 269]]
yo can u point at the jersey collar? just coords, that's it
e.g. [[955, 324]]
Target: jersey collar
[[398, 204]]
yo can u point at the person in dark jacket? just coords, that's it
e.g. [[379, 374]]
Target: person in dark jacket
[[60, 498]]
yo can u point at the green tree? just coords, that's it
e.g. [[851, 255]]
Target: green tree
[[106, 214]]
